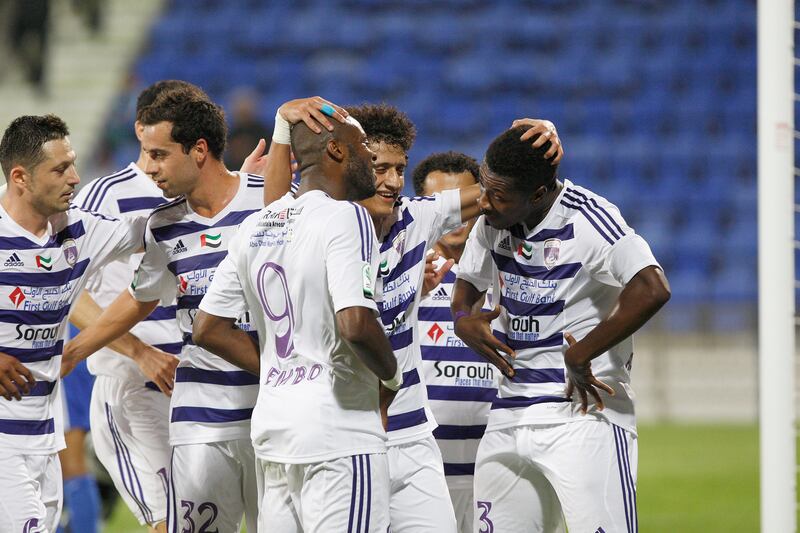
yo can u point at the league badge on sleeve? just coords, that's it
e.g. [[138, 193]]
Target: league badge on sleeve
[[552, 248], [366, 279], [70, 250]]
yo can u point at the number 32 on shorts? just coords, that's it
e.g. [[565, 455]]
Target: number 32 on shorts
[[486, 523]]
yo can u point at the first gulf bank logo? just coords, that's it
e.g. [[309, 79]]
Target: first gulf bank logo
[[210, 240]]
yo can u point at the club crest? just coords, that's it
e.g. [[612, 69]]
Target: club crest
[[70, 250], [552, 248]]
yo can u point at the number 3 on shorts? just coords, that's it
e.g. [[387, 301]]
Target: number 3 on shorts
[[485, 507]]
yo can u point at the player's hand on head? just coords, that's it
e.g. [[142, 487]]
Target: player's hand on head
[[546, 131], [15, 379], [433, 276], [256, 162], [159, 367], [476, 331], [314, 111], [581, 379]]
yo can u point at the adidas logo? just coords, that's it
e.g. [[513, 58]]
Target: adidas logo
[[13, 261], [441, 294], [179, 248], [505, 244]]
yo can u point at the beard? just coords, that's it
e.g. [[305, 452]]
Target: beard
[[360, 179]]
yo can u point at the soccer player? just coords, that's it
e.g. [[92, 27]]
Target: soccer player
[[565, 266], [184, 138], [129, 417], [51, 249], [460, 383], [406, 227], [305, 268]]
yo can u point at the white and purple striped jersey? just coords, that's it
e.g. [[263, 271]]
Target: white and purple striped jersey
[[212, 400], [129, 192], [461, 384], [40, 279], [421, 221], [564, 275], [294, 265]]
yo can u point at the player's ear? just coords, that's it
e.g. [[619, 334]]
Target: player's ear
[[539, 194], [334, 150], [200, 150], [19, 176]]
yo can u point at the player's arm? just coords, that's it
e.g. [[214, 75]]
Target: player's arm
[[544, 131], [641, 298], [474, 326], [119, 317], [157, 365], [220, 336], [278, 173], [358, 326]]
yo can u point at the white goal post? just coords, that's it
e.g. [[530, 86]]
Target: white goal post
[[776, 243]]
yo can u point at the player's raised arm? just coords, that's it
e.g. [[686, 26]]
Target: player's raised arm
[[316, 112]]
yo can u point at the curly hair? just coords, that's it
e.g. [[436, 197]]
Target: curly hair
[[519, 162], [193, 118], [385, 123], [448, 162], [24, 138]]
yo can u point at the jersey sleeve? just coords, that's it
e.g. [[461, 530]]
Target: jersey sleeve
[[225, 296], [112, 238], [151, 279], [440, 212], [617, 252], [476, 264], [351, 259]]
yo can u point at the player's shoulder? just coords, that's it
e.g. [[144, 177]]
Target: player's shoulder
[[95, 195], [593, 213], [168, 213]]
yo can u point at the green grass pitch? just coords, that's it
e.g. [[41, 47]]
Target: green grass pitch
[[692, 478]]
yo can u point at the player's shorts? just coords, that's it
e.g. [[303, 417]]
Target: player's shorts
[[78, 396], [527, 476], [419, 500], [30, 493], [130, 433], [348, 495], [463, 503], [212, 485]]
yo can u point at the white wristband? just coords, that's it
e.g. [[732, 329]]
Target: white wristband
[[282, 133], [396, 382]]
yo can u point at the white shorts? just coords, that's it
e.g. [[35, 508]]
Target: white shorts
[[419, 500], [130, 433], [212, 485], [347, 495], [532, 478], [30, 493], [463, 503]]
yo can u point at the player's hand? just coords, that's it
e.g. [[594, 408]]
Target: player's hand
[[547, 132], [580, 378], [433, 277], [309, 110], [256, 162], [476, 331], [15, 379], [386, 396], [159, 367]]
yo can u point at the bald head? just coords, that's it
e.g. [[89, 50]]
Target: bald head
[[309, 148]]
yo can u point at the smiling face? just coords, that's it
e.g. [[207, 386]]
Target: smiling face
[[390, 167], [359, 172], [174, 171], [51, 183]]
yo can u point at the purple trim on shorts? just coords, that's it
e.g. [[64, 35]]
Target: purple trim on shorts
[[123, 456], [360, 490], [352, 497], [369, 492]]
